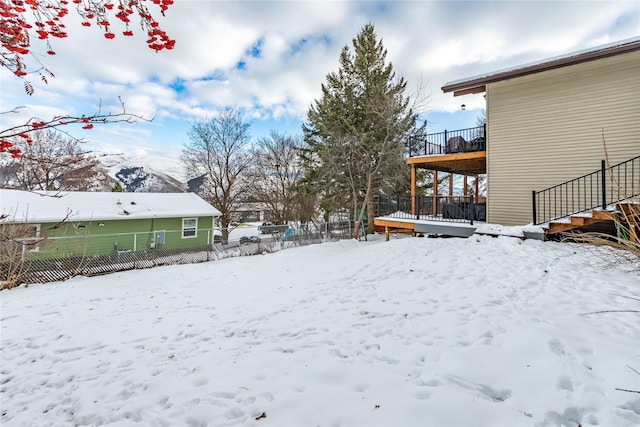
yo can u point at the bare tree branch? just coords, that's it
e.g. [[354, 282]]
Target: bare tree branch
[[52, 162], [611, 311], [275, 175], [99, 117], [628, 391], [217, 156]]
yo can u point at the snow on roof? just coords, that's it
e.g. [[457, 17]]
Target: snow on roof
[[507, 71], [26, 206]]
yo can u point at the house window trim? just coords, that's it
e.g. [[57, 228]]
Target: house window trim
[[35, 238], [194, 228]]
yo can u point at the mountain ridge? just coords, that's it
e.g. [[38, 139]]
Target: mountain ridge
[[144, 173]]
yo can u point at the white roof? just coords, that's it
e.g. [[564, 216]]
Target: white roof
[[547, 60], [26, 206]]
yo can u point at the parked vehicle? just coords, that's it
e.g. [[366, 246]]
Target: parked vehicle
[[268, 228], [249, 239]]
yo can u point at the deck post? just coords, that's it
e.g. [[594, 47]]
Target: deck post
[[435, 193], [477, 189], [413, 190], [604, 184], [464, 191], [533, 203], [450, 187]]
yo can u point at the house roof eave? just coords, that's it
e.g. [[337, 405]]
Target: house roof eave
[[17, 206], [477, 84]]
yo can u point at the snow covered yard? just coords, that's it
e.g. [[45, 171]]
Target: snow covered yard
[[424, 332]]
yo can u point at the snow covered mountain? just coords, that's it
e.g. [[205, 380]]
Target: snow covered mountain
[[146, 173]]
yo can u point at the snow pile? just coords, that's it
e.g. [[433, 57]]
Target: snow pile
[[441, 332], [509, 230]]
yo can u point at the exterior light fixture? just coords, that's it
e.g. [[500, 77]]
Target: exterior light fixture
[[463, 107]]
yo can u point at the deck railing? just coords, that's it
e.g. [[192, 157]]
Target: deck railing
[[431, 208], [594, 190], [449, 142]]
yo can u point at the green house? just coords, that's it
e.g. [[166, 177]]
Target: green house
[[66, 224]]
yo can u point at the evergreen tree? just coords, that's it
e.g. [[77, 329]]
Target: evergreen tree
[[357, 132]]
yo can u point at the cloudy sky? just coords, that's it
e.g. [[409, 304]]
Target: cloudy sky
[[269, 58]]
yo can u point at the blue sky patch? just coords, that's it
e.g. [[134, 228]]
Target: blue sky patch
[[217, 75], [256, 49], [305, 42], [178, 85]]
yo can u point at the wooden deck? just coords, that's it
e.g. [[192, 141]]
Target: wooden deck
[[414, 226], [473, 163]]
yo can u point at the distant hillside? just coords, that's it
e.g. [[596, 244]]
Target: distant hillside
[[145, 173]]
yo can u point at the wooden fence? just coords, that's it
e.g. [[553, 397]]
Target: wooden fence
[[32, 270]]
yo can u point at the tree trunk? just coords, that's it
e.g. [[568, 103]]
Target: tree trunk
[[371, 212]]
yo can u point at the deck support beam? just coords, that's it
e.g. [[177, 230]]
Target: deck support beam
[[413, 192], [435, 193]]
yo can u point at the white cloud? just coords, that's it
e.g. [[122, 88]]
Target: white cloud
[[299, 43]]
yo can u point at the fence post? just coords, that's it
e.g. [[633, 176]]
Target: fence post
[[417, 200], [604, 184], [533, 199], [473, 209]]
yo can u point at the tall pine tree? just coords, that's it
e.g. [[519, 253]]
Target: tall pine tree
[[356, 133]]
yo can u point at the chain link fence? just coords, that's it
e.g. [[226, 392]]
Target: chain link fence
[[29, 265]]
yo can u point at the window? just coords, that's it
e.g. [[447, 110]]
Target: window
[[189, 227]]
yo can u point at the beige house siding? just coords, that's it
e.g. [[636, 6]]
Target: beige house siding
[[547, 128]]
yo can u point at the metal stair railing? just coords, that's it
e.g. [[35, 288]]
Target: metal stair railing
[[594, 190]]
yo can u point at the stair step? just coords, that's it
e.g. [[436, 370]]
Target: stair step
[[576, 221]]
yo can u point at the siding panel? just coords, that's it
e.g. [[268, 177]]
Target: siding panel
[[548, 127]]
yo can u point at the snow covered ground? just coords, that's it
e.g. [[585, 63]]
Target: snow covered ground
[[412, 332]]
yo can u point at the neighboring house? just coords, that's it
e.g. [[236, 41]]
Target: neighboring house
[[252, 212], [55, 225], [547, 123]]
